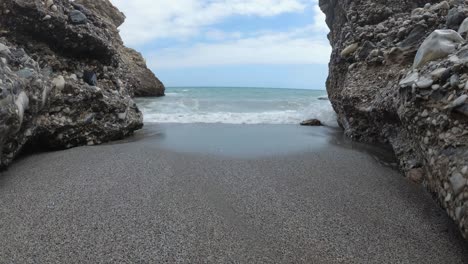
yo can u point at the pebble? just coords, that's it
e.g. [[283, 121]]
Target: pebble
[[349, 50], [437, 74], [90, 78], [76, 17], [424, 83], [459, 101], [457, 182], [59, 82]]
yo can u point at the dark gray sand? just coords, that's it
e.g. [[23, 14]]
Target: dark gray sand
[[220, 194]]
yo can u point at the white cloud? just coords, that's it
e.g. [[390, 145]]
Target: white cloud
[[149, 20], [293, 47]]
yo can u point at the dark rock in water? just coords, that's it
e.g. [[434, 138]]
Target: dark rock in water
[[323, 98], [90, 78], [312, 122], [77, 17]]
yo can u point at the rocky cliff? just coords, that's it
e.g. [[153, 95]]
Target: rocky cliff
[[399, 75], [66, 78]]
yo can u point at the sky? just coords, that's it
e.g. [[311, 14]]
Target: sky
[[242, 43]]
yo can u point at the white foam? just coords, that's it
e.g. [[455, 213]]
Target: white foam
[[323, 112]]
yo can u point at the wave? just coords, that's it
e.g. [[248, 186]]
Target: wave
[[324, 114], [273, 106]]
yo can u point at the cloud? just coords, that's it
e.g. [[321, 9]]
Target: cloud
[[297, 46], [149, 20]]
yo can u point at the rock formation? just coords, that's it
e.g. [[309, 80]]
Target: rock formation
[[66, 78], [146, 83], [399, 75]]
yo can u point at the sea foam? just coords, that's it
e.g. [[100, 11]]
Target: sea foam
[[238, 106]]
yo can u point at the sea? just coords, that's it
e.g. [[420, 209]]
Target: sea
[[238, 105]]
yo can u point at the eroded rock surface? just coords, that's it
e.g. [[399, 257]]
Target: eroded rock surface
[[65, 76], [380, 97], [146, 83]]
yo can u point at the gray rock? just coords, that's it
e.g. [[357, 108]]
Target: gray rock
[[438, 45], [463, 28], [454, 18], [437, 74], [414, 37], [410, 79], [458, 182], [454, 80], [424, 83], [459, 101], [90, 78], [77, 17], [444, 5], [462, 109], [26, 73]]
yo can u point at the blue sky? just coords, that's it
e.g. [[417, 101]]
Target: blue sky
[[247, 43]]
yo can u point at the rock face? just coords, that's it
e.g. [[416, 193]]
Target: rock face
[[399, 75], [146, 83], [65, 77]]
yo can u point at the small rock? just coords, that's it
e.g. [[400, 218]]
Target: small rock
[[465, 170], [49, 3], [410, 79], [90, 78], [59, 82], [416, 175], [463, 27], [424, 83], [444, 5], [454, 18], [76, 17], [463, 109], [458, 102], [437, 74], [25, 73], [349, 50], [458, 182], [454, 81]]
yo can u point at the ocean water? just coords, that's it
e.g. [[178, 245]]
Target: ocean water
[[238, 106]]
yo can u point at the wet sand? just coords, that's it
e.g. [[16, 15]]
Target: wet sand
[[221, 194]]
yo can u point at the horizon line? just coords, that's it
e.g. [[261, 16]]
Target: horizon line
[[256, 87]]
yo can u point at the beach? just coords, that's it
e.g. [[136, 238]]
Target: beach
[[218, 193]]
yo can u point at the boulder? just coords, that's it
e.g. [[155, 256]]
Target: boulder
[[64, 80], [439, 44], [146, 83], [143, 81]]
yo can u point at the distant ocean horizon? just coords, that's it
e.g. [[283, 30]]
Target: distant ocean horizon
[[238, 105]]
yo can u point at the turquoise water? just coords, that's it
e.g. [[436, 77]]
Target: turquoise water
[[237, 106]]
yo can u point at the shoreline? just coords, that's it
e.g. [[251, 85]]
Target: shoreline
[[147, 199]]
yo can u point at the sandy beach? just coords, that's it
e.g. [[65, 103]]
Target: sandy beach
[[221, 194]]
